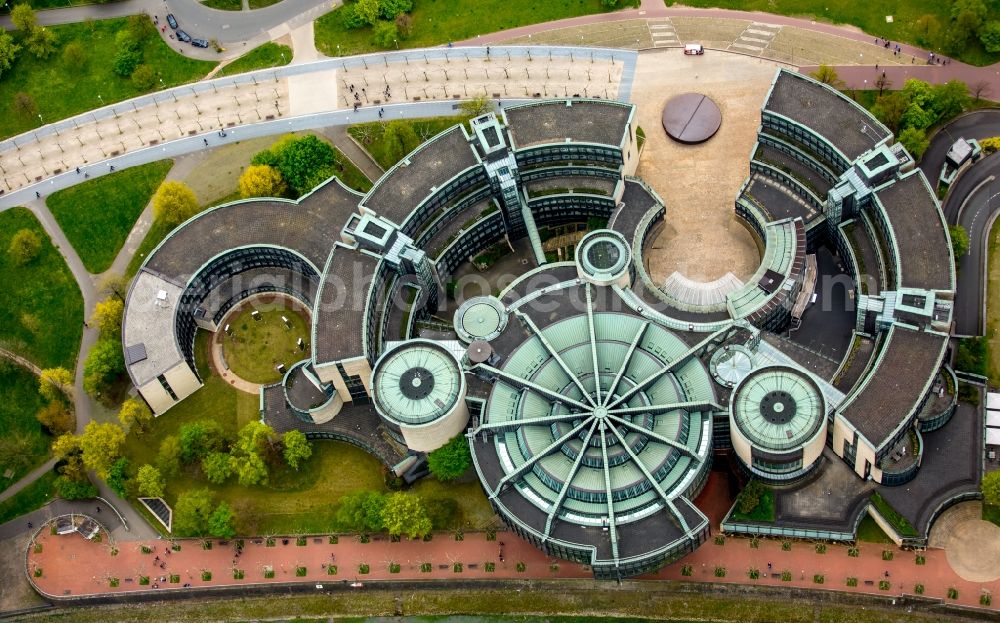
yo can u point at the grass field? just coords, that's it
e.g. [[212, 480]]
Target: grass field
[[868, 16], [32, 497], [41, 309], [98, 214], [61, 90], [993, 304], [256, 347], [224, 5], [664, 603], [370, 135], [267, 55], [870, 532], [441, 21], [19, 401]]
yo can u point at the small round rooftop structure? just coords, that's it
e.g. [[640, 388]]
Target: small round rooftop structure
[[602, 433], [731, 364], [480, 318], [603, 257], [419, 391], [691, 118], [778, 422]]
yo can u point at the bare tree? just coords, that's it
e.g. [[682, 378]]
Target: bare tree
[[981, 90]]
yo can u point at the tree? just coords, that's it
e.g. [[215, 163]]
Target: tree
[[108, 316], [174, 202], [989, 35], [192, 511], [24, 247], [250, 469], [959, 241], [981, 88], [391, 9], [143, 78], [361, 511], [42, 42], [168, 458], [928, 30], [114, 285], [749, 498], [119, 477], [74, 55], [915, 141], [222, 522], [385, 34], [890, 108], [479, 105], [949, 99], [66, 445], [150, 482], [976, 8], [404, 24], [102, 444], [262, 180], [25, 104], [55, 384], [200, 438], [127, 58], [404, 514], [216, 467], [990, 486], [828, 75], [450, 460], [16, 450], [55, 417], [258, 438], [135, 414], [368, 10], [23, 17], [140, 27], [103, 366], [8, 52], [303, 162], [297, 448]]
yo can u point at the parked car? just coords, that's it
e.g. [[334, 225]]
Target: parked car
[[199, 43], [172, 20], [694, 48], [183, 36]]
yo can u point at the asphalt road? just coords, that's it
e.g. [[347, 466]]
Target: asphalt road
[[978, 125]]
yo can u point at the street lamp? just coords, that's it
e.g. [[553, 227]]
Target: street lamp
[[101, 99], [40, 118], [397, 43]]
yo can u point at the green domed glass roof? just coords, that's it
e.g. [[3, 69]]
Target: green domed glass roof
[[778, 408], [416, 382]]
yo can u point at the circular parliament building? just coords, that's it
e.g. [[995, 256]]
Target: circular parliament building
[[596, 402]]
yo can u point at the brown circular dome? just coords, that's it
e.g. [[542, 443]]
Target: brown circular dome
[[691, 118]]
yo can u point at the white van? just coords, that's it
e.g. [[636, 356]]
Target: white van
[[694, 49]]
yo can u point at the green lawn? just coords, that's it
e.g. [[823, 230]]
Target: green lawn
[[260, 4], [869, 16], [256, 347], [54, 4], [61, 90], [441, 21], [41, 309], [870, 532], [98, 214], [370, 135], [32, 497], [267, 55], [19, 402], [763, 512], [991, 514], [224, 5]]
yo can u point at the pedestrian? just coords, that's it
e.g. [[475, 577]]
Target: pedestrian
[[206, 141], [768, 566], [98, 509], [487, 50], [38, 195], [112, 167], [30, 525], [78, 170], [86, 175], [876, 66]]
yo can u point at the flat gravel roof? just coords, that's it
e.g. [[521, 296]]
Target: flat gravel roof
[[582, 121]]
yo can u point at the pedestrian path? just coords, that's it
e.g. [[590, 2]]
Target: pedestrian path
[[755, 38], [663, 33]]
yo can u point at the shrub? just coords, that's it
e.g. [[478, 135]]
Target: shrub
[[331, 570], [985, 599], [753, 574], [238, 574], [554, 568], [786, 576], [720, 572], [143, 580], [521, 567], [333, 540], [952, 592], [301, 541], [143, 78], [884, 585], [269, 542], [113, 582], [720, 539], [920, 559], [24, 247], [38, 572], [300, 572], [363, 569], [852, 582], [853, 552], [687, 571], [426, 567], [175, 578], [457, 567], [786, 546], [750, 497], [818, 579], [268, 573], [821, 548], [206, 576], [887, 554], [490, 567], [754, 542], [394, 567]]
